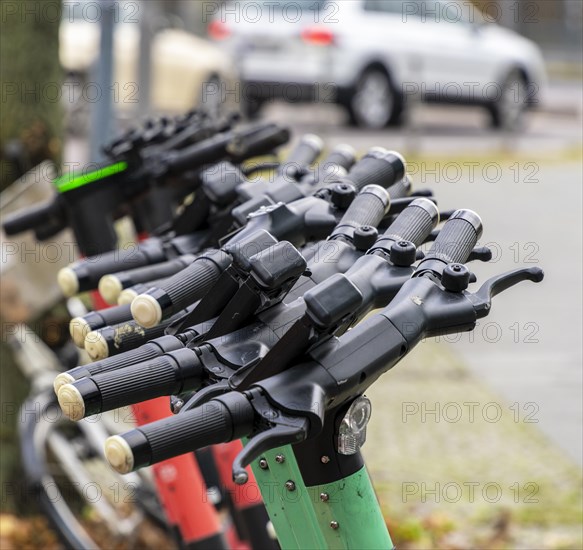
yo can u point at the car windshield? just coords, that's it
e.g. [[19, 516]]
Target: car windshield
[[464, 11]]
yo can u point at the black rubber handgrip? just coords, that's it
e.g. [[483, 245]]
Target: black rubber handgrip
[[111, 285], [149, 350], [229, 144], [220, 420], [334, 167], [47, 214], [127, 295], [203, 152], [80, 327], [180, 290], [156, 271], [261, 143], [109, 316], [85, 274], [367, 209], [455, 241], [49, 230], [379, 167], [304, 153], [113, 340], [413, 224], [401, 189], [167, 374], [364, 283], [342, 156]]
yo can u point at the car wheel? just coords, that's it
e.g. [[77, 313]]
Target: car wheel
[[508, 112], [374, 103]]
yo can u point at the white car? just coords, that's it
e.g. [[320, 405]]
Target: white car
[[373, 56]]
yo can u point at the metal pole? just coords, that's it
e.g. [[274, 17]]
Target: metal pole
[[148, 12], [102, 112]]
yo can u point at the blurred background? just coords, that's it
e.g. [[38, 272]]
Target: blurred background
[[485, 101]]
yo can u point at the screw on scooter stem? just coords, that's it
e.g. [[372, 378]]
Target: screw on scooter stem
[[222, 419], [149, 350], [80, 327], [110, 286], [172, 373], [454, 244]]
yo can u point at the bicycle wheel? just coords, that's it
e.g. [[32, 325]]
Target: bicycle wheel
[[87, 504]]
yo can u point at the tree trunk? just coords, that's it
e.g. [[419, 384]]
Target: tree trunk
[[31, 86], [30, 132]]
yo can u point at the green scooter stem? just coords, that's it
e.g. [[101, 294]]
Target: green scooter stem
[[344, 514]]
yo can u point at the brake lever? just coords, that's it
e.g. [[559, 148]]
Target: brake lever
[[482, 299], [481, 254], [206, 394], [281, 429]]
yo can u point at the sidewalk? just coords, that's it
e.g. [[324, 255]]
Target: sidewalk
[[563, 97], [456, 467]]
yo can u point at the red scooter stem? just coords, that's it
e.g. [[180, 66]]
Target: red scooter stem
[[98, 301], [182, 490], [247, 504], [179, 482]]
